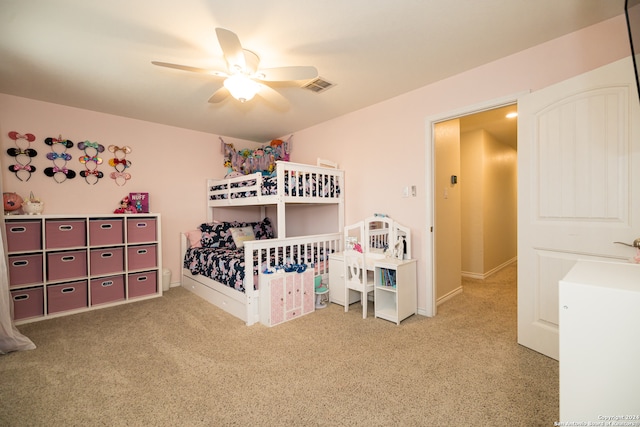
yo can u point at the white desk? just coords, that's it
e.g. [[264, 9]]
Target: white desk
[[393, 304]]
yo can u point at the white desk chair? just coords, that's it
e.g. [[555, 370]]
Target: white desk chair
[[356, 278]]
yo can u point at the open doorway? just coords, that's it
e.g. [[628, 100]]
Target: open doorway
[[475, 197]]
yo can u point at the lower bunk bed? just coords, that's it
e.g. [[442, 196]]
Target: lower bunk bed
[[218, 274]]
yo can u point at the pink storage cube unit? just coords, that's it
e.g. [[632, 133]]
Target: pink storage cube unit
[[66, 265], [106, 232], [105, 261], [141, 230], [140, 257], [25, 269], [67, 233], [107, 289], [143, 284], [23, 236], [66, 296], [28, 303]]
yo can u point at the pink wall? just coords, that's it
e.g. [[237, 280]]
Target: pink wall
[[383, 148], [169, 163], [172, 164]]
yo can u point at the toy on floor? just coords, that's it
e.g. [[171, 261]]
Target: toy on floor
[[322, 293]]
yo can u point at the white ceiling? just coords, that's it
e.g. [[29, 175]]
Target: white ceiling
[[97, 55]]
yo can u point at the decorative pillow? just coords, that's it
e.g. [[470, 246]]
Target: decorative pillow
[[263, 229], [241, 235], [219, 235], [216, 235], [194, 237]]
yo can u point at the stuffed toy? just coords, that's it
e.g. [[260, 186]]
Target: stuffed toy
[[262, 159], [126, 207]]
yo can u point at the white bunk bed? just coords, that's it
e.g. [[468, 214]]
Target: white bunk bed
[[293, 183]]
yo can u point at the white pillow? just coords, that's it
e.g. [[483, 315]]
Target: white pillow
[[241, 235]]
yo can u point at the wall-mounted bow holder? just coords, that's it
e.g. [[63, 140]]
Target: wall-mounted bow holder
[[22, 154], [59, 156], [91, 160], [120, 164]]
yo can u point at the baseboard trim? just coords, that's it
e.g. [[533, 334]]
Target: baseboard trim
[[448, 296], [481, 276]]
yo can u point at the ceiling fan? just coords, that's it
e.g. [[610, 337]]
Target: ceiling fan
[[243, 78]]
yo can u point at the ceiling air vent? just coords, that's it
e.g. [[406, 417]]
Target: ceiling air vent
[[318, 85]]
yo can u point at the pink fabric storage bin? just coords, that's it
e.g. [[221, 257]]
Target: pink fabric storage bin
[[107, 289], [105, 261], [66, 296], [66, 265], [106, 232], [23, 236], [25, 269], [143, 283], [141, 230], [28, 303], [65, 233], [140, 257]]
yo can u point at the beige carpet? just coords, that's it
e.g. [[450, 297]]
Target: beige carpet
[[178, 361]]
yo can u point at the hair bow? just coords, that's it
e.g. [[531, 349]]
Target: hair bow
[[29, 152], [16, 136], [84, 159], [53, 156], [121, 178], [88, 172], [54, 170], [116, 175], [125, 149], [114, 162], [88, 144], [65, 142], [18, 167], [91, 173]]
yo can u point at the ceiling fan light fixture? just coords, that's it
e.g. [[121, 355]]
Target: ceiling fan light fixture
[[241, 87]]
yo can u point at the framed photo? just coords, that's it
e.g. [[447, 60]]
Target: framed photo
[[140, 201]]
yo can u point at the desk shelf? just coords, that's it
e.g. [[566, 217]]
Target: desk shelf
[[395, 291]]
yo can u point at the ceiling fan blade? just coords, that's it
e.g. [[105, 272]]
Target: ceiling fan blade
[[219, 95], [282, 74], [188, 68], [273, 97], [232, 49]]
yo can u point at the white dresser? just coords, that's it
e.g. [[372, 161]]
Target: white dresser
[[600, 344]]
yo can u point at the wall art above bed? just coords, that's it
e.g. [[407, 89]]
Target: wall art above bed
[[263, 159]]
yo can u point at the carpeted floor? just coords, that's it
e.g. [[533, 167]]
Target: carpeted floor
[[179, 361]]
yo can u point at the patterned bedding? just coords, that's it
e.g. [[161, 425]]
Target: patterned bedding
[[223, 265], [226, 265], [328, 187]]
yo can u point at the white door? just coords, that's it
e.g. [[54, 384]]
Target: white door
[[578, 188]]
